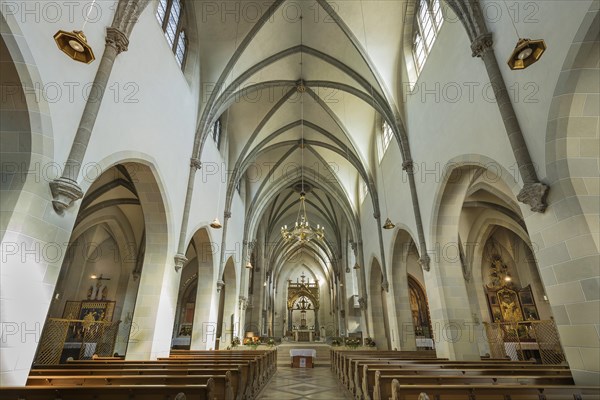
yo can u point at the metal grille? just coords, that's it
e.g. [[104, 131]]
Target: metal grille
[[546, 335], [495, 339], [90, 337], [99, 338], [525, 340], [52, 341]]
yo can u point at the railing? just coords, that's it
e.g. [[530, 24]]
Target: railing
[[524, 340], [78, 338]]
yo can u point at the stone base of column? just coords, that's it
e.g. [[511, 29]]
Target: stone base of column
[[64, 192], [534, 194]]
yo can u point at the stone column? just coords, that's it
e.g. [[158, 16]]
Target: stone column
[[408, 166], [534, 192], [65, 189], [180, 258]]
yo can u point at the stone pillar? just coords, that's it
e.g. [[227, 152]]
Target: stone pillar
[[450, 310], [408, 166], [180, 258], [65, 189], [534, 192]]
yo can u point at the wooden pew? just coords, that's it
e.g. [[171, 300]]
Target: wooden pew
[[343, 359], [223, 387], [357, 386], [382, 382], [267, 358], [228, 375], [246, 383], [126, 392], [493, 392]]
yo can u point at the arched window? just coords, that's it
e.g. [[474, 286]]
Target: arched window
[[386, 138], [428, 21], [215, 132], [169, 14], [363, 191]]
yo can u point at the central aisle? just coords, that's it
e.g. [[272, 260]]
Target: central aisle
[[304, 383]]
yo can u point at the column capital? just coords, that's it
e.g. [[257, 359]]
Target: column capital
[[362, 302], [220, 285], [64, 192], [482, 44], [116, 39], [424, 262], [408, 166], [180, 260], [534, 194], [195, 163]]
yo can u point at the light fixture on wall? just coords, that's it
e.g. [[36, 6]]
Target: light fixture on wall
[[74, 44], [356, 266], [216, 224], [302, 231], [527, 51]]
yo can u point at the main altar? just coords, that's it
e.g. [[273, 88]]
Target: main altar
[[303, 309]]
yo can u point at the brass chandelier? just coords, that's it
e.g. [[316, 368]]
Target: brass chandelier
[[302, 231]]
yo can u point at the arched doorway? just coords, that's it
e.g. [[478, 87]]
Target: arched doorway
[[186, 306], [378, 302], [226, 325], [100, 274], [192, 327], [419, 309], [479, 205], [410, 296], [16, 137]]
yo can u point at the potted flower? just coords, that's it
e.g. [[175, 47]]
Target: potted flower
[[235, 342], [369, 342], [336, 342], [271, 342], [252, 342], [352, 343]]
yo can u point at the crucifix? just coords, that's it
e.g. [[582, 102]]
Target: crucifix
[[94, 293]]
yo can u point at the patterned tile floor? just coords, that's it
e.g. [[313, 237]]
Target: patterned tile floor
[[299, 383]]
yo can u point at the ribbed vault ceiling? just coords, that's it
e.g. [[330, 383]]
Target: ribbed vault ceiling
[[346, 54]]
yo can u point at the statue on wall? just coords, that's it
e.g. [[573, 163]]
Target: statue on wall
[[90, 292]]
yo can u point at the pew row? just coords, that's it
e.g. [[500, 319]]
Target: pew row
[[126, 392]]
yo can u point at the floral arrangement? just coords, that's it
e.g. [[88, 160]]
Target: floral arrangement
[[252, 342], [235, 342], [352, 343], [271, 342], [369, 342], [336, 342]]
